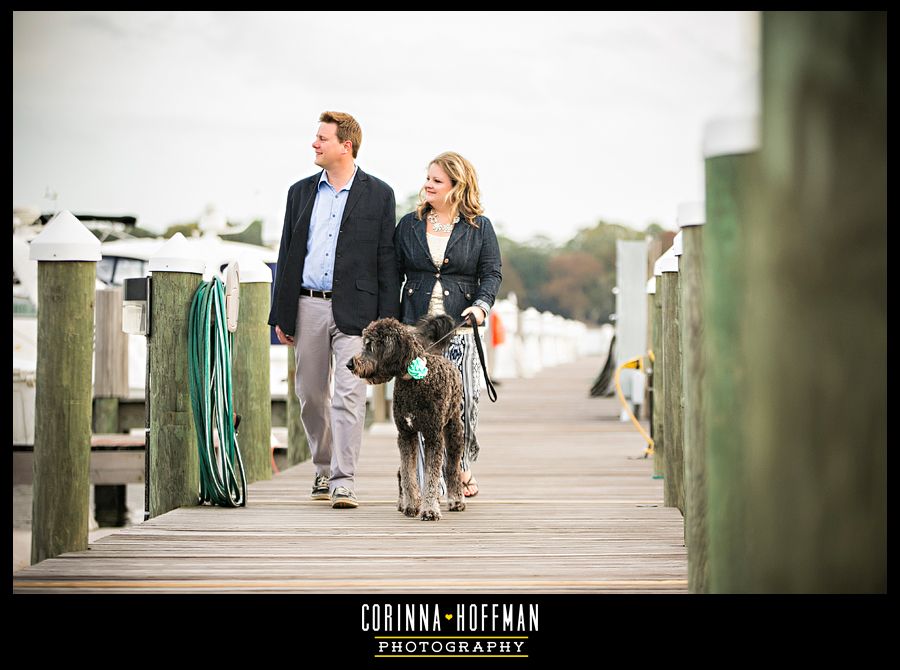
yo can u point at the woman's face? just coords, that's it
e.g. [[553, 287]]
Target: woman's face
[[437, 186]]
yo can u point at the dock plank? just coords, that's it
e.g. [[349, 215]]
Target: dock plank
[[567, 505]]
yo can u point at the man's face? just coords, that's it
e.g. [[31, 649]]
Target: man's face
[[329, 150]]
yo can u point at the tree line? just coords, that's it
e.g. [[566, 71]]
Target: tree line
[[574, 279]]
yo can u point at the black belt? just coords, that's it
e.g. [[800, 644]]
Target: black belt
[[316, 294]]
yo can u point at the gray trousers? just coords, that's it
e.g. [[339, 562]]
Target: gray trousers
[[332, 399]]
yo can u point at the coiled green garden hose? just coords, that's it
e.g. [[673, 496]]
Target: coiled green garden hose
[[209, 362]]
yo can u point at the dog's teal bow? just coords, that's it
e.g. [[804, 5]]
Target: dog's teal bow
[[417, 369]]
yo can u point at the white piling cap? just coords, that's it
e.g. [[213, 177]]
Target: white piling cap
[[255, 272], [676, 244], [531, 316], [668, 262], [691, 214], [651, 285], [730, 136], [175, 256], [65, 238]]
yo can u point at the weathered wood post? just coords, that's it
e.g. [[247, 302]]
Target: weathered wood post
[[816, 326], [298, 447], [673, 464], [676, 381], [652, 325], [174, 463], [654, 251], [67, 255], [110, 384], [691, 217], [379, 403], [250, 370], [728, 147], [659, 375]]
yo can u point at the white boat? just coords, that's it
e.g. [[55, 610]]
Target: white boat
[[121, 259], [124, 259]]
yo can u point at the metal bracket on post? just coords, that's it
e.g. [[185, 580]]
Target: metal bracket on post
[[232, 294]]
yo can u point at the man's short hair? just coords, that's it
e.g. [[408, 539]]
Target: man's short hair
[[347, 128]]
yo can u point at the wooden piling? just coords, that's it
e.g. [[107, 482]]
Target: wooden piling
[[729, 161], [67, 255], [298, 448], [379, 403], [174, 463], [668, 286], [111, 348], [62, 412], [106, 415], [110, 385], [658, 390], [648, 360], [694, 370], [816, 326], [250, 375]]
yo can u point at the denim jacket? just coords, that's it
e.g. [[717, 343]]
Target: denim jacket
[[470, 273]]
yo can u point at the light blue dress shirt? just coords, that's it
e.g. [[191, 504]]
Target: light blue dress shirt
[[324, 226]]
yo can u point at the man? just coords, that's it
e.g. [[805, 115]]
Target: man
[[336, 273]]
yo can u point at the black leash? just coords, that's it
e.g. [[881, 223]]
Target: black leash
[[452, 330], [492, 392]]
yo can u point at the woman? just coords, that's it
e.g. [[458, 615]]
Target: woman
[[448, 254]]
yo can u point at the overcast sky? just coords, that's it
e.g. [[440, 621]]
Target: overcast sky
[[568, 117]]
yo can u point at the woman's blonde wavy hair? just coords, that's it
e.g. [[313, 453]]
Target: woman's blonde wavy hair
[[464, 197]]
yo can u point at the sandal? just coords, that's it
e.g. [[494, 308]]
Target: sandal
[[470, 483]]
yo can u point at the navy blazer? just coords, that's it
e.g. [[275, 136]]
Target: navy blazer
[[365, 285], [470, 271]]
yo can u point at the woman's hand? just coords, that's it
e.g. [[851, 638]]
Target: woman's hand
[[477, 311]]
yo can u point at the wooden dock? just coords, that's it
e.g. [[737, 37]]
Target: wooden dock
[[566, 505]]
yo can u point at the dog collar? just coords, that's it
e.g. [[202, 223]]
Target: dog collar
[[417, 369]]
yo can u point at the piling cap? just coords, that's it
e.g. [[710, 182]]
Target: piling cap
[[65, 238], [676, 244], [176, 256], [731, 136], [691, 214], [531, 316], [651, 285], [668, 262], [255, 272]]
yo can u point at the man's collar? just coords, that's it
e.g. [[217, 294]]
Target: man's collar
[[324, 177]]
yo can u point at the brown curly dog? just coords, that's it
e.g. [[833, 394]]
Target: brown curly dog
[[430, 405]]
